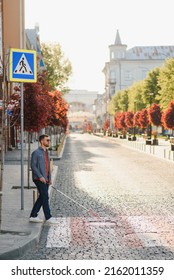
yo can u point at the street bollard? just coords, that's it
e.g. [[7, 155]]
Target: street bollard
[[51, 165], [35, 196], [169, 154], [164, 153], [153, 149]]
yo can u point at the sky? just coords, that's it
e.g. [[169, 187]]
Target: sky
[[86, 28]]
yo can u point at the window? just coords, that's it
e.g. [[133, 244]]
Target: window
[[144, 74], [128, 76], [112, 90], [120, 54], [112, 77]]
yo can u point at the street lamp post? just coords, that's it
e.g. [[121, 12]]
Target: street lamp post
[[134, 137], [149, 141]]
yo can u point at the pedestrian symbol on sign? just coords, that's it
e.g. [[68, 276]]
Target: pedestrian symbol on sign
[[23, 67]]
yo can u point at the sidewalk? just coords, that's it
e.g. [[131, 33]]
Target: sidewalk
[[16, 233], [163, 150]]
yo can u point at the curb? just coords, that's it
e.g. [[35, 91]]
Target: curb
[[18, 252], [61, 152]]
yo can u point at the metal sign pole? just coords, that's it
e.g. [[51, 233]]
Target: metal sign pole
[[22, 68], [22, 146]]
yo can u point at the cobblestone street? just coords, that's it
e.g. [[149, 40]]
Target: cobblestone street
[[130, 197]]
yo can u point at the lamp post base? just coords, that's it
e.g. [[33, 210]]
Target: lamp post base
[[149, 142]]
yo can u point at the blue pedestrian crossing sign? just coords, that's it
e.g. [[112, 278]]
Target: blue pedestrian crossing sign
[[22, 67]]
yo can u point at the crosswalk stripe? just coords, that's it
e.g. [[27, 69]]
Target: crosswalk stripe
[[146, 231], [59, 235]]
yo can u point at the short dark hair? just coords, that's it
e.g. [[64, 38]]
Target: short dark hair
[[41, 137]]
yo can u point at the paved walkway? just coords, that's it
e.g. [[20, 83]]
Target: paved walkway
[[163, 150], [16, 233]]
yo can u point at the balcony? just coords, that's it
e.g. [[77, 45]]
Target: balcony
[[112, 81]]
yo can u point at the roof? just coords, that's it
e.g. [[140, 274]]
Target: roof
[[33, 37], [150, 52], [144, 52]]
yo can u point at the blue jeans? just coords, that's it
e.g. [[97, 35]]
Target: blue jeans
[[43, 200]]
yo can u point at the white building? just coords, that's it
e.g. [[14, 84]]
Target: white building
[[81, 104], [100, 110], [127, 66]]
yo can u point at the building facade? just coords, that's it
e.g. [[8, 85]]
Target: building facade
[[127, 66], [33, 43], [81, 107], [100, 110], [13, 24]]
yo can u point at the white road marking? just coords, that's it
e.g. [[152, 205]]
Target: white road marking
[[146, 231], [59, 235]]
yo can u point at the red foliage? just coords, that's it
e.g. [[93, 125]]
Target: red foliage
[[116, 117], [144, 118], [129, 119], [120, 120], [41, 107], [168, 116], [59, 110], [37, 106], [155, 114], [137, 119], [106, 124], [89, 127]]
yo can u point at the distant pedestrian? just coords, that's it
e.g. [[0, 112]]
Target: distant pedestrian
[[41, 175]]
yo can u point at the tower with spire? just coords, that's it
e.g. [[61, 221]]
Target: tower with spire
[[117, 50]]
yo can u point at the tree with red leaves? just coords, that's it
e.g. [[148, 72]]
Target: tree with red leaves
[[137, 119], [116, 117], [41, 107], [144, 118], [129, 119], [106, 124], [59, 110], [168, 116], [37, 105], [121, 120], [89, 127], [155, 114]]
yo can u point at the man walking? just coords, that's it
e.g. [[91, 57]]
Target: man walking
[[41, 175]]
